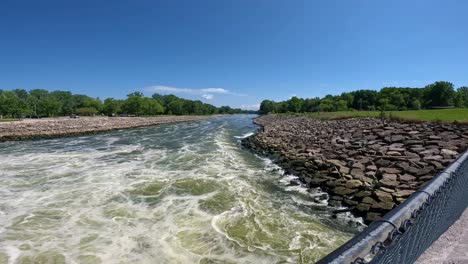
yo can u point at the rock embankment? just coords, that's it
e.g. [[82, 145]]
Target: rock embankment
[[59, 127], [365, 163]]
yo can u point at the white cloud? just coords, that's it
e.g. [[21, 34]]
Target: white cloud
[[168, 89], [215, 90], [250, 107], [206, 93], [207, 96]]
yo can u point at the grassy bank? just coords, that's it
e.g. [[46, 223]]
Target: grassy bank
[[438, 115], [8, 120]]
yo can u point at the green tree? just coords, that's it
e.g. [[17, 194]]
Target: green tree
[[416, 104], [41, 102], [111, 106], [175, 107], [87, 111], [151, 107], [462, 96], [341, 105], [439, 94], [294, 104], [134, 103], [21, 94], [395, 98], [267, 106], [384, 103], [226, 110], [11, 104], [193, 107], [50, 106], [67, 102], [311, 105], [326, 105], [348, 97], [364, 99]]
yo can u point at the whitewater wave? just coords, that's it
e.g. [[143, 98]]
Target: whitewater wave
[[184, 193], [246, 135]]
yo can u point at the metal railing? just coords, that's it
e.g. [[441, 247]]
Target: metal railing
[[407, 231]]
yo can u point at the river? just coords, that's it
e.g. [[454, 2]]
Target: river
[[180, 193]]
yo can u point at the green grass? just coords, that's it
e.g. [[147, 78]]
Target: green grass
[[436, 115], [8, 120]]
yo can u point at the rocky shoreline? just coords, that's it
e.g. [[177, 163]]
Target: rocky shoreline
[[64, 126], [367, 164]]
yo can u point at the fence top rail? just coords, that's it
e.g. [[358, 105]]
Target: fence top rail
[[364, 245]]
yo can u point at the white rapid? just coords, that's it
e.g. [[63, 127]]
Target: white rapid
[[184, 193]]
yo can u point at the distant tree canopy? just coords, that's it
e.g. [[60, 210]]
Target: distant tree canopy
[[438, 94], [38, 102]]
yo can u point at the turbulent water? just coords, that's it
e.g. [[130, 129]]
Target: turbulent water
[[183, 193]]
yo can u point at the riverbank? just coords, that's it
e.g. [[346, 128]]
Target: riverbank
[[367, 164], [430, 115], [64, 126]]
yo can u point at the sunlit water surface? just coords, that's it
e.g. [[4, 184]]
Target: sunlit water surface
[[184, 193]]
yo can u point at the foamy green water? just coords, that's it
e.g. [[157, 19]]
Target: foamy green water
[[184, 193]]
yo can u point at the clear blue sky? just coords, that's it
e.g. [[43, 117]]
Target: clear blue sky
[[234, 52]]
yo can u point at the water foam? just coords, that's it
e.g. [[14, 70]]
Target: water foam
[[246, 135], [85, 197]]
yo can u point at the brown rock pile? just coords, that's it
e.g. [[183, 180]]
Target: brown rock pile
[[63, 126], [364, 163]]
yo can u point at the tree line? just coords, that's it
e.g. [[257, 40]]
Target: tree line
[[39, 102], [438, 94]]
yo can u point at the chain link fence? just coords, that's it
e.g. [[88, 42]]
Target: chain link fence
[[408, 230]]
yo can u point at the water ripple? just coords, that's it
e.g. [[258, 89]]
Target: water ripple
[[183, 193]]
